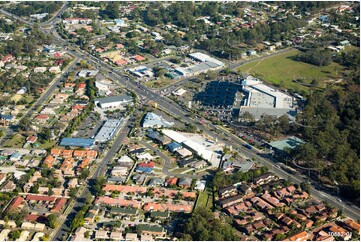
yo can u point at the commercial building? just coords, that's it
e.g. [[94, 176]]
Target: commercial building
[[87, 73], [154, 120], [261, 99], [108, 130], [79, 142], [113, 101], [205, 64]]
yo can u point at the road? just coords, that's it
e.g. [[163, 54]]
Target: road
[[167, 162], [173, 108], [49, 91], [99, 171]]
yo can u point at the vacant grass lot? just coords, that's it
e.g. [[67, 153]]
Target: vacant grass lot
[[282, 70], [160, 83], [205, 200], [17, 141]]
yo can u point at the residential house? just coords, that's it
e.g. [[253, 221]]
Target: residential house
[[8, 186], [184, 182], [2, 178], [154, 230], [227, 191], [229, 201], [101, 234], [301, 236]]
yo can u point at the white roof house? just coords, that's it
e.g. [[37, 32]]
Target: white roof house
[[37, 236], [200, 185], [23, 236]]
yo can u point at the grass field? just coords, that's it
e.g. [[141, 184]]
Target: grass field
[[205, 200], [282, 70], [162, 82], [17, 141]]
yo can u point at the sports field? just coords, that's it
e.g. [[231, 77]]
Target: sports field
[[282, 70]]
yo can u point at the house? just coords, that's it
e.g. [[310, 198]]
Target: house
[[2, 178], [55, 69], [131, 237], [159, 214], [341, 232], [124, 211], [265, 178], [23, 236], [251, 52], [42, 118], [114, 235], [124, 189], [8, 186], [199, 164], [154, 230], [89, 218], [73, 183], [174, 146], [345, 43], [171, 181], [138, 58], [31, 139], [49, 161], [15, 156], [146, 237], [77, 21], [15, 203], [58, 205], [200, 185], [245, 189], [229, 201], [163, 140], [301, 236], [100, 234], [117, 202], [227, 191], [155, 181], [119, 171], [185, 182], [352, 225], [121, 62]]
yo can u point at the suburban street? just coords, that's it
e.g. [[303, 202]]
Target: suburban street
[[99, 171]]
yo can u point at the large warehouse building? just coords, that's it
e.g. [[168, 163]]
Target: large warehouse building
[[113, 101], [261, 99], [108, 130]]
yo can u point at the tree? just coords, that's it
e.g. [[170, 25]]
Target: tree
[[247, 117], [14, 234], [52, 221], [45, 134], [305, 187], [112, 10]]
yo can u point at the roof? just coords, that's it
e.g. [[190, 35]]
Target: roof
[[124, 188], [16, 202], [291, 143], [40, 198], [160, 214], [184, 181], [121, 98], [152, 228], [174, 146], [80, 142], [130, 211], [154, 120]]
